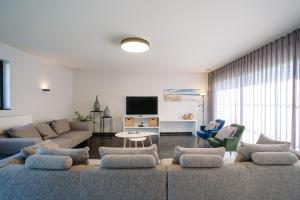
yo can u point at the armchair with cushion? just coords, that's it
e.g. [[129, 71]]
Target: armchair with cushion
[[205, 134], [230, 143]]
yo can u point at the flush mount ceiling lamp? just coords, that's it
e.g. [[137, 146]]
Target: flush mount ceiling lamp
[[135, 45]]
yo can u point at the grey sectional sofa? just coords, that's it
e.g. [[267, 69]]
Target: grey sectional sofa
[[234, 181], [79, 133], [80, 182]]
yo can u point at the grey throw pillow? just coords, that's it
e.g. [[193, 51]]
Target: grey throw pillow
[[46, 131], [79, 156], [128, 161], [266, 140], [246, 150], [27, 151], [201, 161], [48, 162], [274, 158], [27, 131], [151, 150], [179, 151], [61, 126]]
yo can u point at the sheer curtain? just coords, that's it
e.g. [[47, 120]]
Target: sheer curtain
[[262, 91]]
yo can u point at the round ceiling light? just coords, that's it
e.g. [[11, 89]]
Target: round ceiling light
[[135, 45]]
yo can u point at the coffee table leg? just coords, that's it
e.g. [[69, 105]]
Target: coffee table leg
[[150, 140], [124, 143]]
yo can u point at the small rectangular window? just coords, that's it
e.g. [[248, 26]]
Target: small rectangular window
[[4, 85]]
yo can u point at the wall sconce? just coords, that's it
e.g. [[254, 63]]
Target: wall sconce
[[45, 87], [45, 90]]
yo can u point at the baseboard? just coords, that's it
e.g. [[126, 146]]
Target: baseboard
[[175, 133]]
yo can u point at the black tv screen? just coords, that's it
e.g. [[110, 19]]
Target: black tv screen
[[141, 105]]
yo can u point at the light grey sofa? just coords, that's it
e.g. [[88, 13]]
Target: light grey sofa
[[234, 181], [80, 182], [79, 133]]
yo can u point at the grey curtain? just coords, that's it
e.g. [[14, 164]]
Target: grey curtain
[[261, 90]]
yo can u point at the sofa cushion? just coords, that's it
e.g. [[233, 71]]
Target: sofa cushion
[[274, 158], [266, 140], [27, 151], [201, 161], [46, 131], [179, 151], [61, 126], [128, 161], [27, 131], [245, 150], [151, 150], [79, 126], [48, 162], [79, 156], [71, 138]]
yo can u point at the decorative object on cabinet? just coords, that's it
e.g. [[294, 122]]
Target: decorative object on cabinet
[[97, 104], [106, 112]]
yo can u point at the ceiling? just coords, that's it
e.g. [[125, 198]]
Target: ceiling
[[184, 35]]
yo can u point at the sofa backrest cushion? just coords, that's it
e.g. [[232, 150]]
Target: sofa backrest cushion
[[46, 131], [246, 150], [27, 131], [179, 151], [151, 150], [60, 126], [48, 162], [201, 161], [79, 156], [274, 158], [27, 151], [128, 161], [263, 139]]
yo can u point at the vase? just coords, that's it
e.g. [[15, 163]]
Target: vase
[[97, 104], [106, 112]]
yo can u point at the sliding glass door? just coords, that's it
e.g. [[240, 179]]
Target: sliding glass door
[[262, 91]]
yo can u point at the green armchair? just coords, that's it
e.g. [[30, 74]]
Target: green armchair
[[231, 143]]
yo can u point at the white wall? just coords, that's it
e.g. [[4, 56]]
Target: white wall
[[113, 86], [27, 75]]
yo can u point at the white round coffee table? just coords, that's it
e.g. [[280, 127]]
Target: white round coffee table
[[139, 139], [126, 135]]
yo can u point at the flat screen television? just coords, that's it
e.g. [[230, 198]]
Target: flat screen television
[[147, 105]]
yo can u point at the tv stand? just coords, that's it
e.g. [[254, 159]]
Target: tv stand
[[141, 123]]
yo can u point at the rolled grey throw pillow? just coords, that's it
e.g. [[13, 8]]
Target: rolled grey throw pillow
[[151, 150], [48, 162], [128, 161], [274, 158], [201, 161], [179, 151], [79, 156]]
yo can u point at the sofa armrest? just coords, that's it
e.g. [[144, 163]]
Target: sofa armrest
[[202, 128], [15, 159], [231, 143], [213, 133], [79, 126], [11, 146]]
